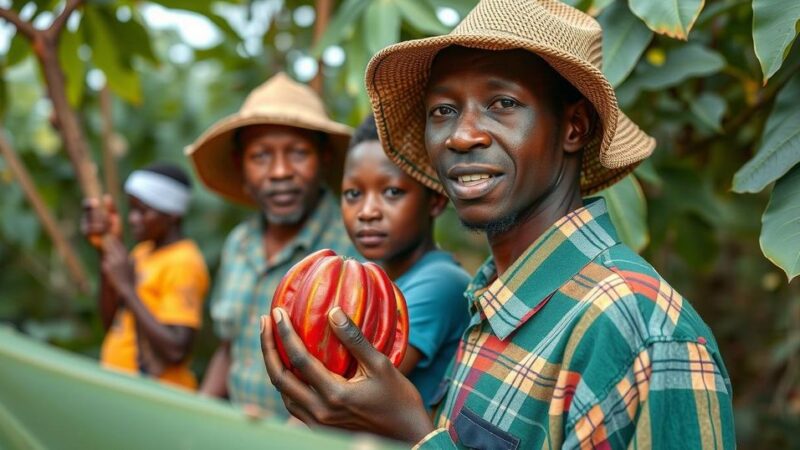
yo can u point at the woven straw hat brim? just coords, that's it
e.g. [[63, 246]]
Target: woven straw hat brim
[[213, 153], [397, 78]]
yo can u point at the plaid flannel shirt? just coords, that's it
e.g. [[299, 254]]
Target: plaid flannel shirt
[[243, 292], [581, 344]]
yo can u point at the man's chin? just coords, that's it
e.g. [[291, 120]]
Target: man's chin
[[491, 227]]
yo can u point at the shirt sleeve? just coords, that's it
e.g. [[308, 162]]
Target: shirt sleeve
[[438, 439], [675, 395], [437, 312], [184, 288]]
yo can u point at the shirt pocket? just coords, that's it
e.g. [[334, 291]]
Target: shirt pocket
[[475, 432]]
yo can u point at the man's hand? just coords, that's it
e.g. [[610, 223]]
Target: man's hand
[[379, 399], [118, 269], [97, 221]]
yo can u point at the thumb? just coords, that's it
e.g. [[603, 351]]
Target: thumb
[[352, 338]]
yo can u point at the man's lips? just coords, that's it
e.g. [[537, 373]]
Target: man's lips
[[371, 237], [283, 198], [469, 182]]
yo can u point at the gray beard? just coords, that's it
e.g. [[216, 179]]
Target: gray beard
[[290, 219]]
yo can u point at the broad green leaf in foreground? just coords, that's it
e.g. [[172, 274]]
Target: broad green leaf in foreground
[[624, 39], [628, 209], [774, 30], [780, 231], [673, 18], [780, 143]]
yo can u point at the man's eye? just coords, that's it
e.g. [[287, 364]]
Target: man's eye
[[503, 103], [258, 155], [299, 153], [350, 194], [442, 110]]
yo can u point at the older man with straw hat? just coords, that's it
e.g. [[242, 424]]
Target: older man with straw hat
[[575, 341], [273, 155]]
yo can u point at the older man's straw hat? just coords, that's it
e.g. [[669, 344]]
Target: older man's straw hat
[[279, 101], [568, 39]]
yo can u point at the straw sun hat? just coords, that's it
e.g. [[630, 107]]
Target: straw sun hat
[[569, 40], [279, 101]]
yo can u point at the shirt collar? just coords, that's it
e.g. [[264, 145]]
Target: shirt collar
[[253, 244], [560, 253]]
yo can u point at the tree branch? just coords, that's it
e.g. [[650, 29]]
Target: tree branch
[[68, 253], [26, 28], [61, 20]]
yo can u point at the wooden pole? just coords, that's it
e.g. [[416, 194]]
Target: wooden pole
[[60, 241], [323, 9], [110, 172]]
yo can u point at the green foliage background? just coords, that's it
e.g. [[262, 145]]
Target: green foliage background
[[716, 209]]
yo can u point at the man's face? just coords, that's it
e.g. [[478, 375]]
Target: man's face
[[492, 133], [281, 167]]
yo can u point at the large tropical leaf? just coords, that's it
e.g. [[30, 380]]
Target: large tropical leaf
[[106, 55], [382, 22], [680, 64], [780, 232], [624, 39], [780, 147], [52, 399], [774, 30], [421, 15], [628, 209], [709, 109], [673, 18], [346, 15], [73, 67]]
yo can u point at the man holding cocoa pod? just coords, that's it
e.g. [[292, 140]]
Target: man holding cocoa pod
[[275, 154], [575, 341]]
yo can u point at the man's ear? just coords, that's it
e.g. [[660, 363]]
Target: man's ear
[[581, 120], [437, 204]]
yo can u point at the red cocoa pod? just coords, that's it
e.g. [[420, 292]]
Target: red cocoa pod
[[323, 280]]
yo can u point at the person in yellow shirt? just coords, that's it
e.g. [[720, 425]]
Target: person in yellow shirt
[[151, 301]]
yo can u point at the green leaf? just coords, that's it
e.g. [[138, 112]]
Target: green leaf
[[628, 209], [673, 18], [382, 23], [421, 15], [347, 14], [780, 231], [121, 78], [463, 7], [624, 39], [775, 26], [682, 63], [71, 64], [780, 144], [19, 49], [709, 109]]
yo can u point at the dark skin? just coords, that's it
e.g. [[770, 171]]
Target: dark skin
[[282, 171], [171, 344], [488, 113], [388, 215]]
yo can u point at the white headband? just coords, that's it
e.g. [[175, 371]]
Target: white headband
[[159, 192]]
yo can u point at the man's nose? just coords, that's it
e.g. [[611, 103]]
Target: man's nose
[[468, 133], [280, 168]]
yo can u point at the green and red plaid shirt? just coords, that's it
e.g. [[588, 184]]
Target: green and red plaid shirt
[[581, 344]]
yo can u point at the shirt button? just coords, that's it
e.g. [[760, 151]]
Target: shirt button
[[701, 340]]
